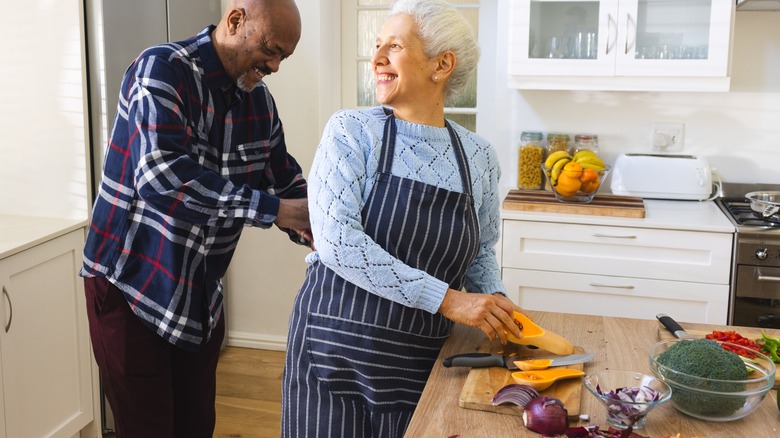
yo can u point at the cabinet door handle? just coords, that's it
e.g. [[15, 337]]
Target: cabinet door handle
[[768, 278], [611, 236], [609, 30], [11, 310], [628, 23], [611, 286]]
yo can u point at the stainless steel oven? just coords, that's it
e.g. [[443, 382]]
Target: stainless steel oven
[[755, 277]]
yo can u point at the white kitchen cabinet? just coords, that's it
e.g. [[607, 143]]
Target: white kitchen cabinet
[[45, 356], [47, 379], [620, 44], [617, 270]]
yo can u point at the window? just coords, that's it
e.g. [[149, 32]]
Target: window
[[361, 21]]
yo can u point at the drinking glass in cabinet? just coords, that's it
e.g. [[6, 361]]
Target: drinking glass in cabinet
[[563, 29], [658, 37]]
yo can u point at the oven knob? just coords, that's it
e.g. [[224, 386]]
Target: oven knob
[[761, 253]]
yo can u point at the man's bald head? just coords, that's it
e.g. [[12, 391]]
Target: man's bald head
[[254, 36]]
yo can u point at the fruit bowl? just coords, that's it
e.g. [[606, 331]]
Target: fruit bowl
[[715, 399], [573, 183], [629, 396]]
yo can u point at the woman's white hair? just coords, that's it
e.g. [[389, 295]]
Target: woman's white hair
[[443, 28]]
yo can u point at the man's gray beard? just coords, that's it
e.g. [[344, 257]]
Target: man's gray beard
[[241, 83]]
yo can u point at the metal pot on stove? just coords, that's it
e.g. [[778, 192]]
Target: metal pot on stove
[[765, 205]]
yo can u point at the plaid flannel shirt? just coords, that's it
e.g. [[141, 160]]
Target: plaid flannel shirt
[[192, 160]]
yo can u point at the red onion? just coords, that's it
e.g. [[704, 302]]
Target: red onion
[[516, 394], [546, 415]]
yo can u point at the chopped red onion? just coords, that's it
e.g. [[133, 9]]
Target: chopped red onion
[[626, 412], [596, 432]]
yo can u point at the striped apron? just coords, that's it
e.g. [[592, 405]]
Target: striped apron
[[357, 363]]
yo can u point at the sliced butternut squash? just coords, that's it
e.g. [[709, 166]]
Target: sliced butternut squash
[[543, 379], [539, 337], [533, 364]]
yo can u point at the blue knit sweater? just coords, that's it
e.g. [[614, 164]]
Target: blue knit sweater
[[340, 181]]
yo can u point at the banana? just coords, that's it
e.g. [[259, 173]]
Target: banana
[[591, 159], [592, 166], [583, 153], [554, 157], [557, 168]]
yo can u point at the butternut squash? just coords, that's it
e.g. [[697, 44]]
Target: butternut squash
[[533, 364], [543, 379], [539, 337]]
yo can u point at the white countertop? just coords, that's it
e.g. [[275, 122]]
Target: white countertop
[[18, 233], [672, 215]]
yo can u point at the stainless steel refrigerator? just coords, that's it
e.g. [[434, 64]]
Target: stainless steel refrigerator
[[117, 31]]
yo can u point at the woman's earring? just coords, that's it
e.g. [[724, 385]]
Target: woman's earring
[[435, 78]]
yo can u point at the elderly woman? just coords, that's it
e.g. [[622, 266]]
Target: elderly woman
[[404, 212]]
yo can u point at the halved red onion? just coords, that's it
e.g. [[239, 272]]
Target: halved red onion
[[546, 416]]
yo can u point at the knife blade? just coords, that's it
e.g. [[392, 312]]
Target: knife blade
[[481, 360], [674, 327]]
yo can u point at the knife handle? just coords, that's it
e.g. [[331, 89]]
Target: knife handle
[[474, 360], [670, 324]]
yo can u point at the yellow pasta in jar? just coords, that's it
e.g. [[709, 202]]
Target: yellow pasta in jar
[[529, 170]]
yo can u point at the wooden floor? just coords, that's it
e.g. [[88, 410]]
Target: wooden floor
[[249, 393]]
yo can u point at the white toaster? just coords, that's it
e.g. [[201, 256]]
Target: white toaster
[[662, 176]]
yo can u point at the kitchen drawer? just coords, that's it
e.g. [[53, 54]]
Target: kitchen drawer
[[616, 296], [617, 251]]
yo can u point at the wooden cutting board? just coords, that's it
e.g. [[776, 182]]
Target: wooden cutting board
[[602, 205], [483, 383], [750, 333]]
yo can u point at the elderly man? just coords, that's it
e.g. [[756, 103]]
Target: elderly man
[[196, 154]]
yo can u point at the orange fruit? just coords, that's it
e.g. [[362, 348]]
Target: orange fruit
[[589, 175], [590, 186], [573, 169], [567, 184]]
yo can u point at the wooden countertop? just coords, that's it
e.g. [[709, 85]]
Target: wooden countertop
[[617, 343]]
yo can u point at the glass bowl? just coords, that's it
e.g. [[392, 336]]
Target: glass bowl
[[627, 411], [575, 185], [713, 399]]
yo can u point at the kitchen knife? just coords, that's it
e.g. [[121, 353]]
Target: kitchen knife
[[674, 327], [481, 360]]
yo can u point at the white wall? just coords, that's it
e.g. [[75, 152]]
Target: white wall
[[43, 132], [268, 269], [738, 131]]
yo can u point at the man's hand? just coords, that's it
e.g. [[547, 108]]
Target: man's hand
[[293, 214]]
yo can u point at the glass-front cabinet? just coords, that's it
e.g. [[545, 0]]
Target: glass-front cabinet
[[620, 44]]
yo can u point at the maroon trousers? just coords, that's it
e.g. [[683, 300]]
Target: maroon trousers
[[154, 388]]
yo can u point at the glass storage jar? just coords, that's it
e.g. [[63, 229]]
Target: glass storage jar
[[557, 142], [529, 160], [589, 142]]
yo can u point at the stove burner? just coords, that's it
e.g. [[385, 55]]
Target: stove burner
[[740, 211]]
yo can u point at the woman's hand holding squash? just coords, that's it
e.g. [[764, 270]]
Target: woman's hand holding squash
[[493, 314]]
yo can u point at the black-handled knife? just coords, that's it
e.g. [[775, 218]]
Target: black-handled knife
[[674, 327], [481, 360]]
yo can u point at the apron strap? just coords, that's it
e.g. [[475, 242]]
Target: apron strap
[[388, 143], [460, 155], [388, 149]]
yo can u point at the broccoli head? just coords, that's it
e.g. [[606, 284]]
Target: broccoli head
[[704, 358]]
